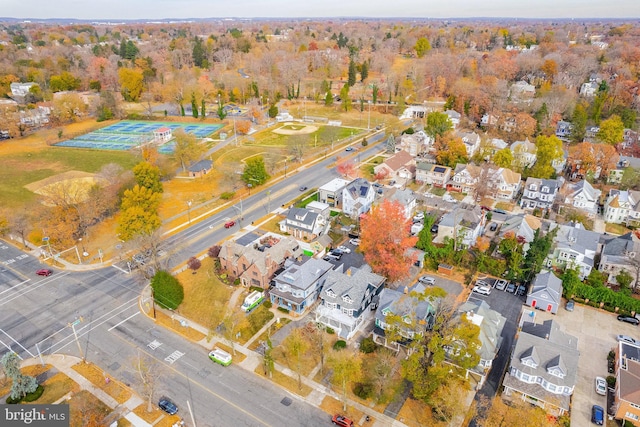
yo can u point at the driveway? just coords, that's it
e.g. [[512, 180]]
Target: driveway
[[596, 331]]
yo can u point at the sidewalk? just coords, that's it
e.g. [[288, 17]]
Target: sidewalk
[[64, 363]]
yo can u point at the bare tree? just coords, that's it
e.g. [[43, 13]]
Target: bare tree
[[149, 371]]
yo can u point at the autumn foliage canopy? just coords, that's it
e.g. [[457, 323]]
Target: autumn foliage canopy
[[385, 238]]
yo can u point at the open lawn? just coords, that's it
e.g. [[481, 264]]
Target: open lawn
[[98, 378], [56, 387], [86, 409], [285, 381], [415, 413]]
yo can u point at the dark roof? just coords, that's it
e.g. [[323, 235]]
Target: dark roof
[[201, 166]]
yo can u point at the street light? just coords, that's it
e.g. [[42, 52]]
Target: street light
[[249, 186], [189, 210]]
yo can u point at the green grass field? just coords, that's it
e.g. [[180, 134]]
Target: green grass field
[[20, 169], [320, 138]]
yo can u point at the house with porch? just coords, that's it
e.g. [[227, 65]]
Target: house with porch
[[303, 224], [357, 197], [545, 293], [346, 299], [524, 153], [454, 117], [406, 198], [622, 207], [255, 267], [523, 226], [621, 253], [331, 192], [471, 141], [540, 193], [462, 224], [399, 166], [582, 196], [543, 367], [436, 175], [574, 247], [298, 286], [402, 317]]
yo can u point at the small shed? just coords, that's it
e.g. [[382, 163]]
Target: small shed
[[445, 269], [200, 168]]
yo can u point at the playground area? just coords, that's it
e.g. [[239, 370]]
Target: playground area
[[129, 134]]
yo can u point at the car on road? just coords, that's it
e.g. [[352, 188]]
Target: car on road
[[348, 149], [628, 319], [167, 406], [44, 272], [303, 188], [427, 280], [220, 356], [354, 242], [493, 226], [229, 224], [501, 285], [342, 421], [571, 304], [601, 386], [344, 249], [597, 415], [627, 338], [511, 288], [482, 290]]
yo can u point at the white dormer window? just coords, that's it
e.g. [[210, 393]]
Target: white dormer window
[[347, 299], [386, 311], [331, 293]]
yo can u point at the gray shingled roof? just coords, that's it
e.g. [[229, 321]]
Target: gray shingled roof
[[303, 275], [278, 252], [350, 287], [301, 215], [491, 326], [403, 304], [547, 282], [576, 238]]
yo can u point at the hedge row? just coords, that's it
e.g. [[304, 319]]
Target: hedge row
[[609, 297]]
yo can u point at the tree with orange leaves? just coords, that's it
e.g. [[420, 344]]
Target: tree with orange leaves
[[346, 167], [587, 158], [385, 238]]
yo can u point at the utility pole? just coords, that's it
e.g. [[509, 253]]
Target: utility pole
[[369, 120], [73, 324]]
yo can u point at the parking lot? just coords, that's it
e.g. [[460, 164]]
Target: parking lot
[[596, 331]]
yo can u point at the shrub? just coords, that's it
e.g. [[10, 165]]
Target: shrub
[[611, 355], [627, 423], [330, 331], [368, 345], [32, 397], [167, 290], [284, 310], [194, 264], [255, 288], [611, 381], [363, 390], [339, 345], [227, 195], [267, 304], [214, 251], [236, 282]]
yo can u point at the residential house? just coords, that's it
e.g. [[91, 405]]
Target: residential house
[[19, 91], [581, 195], [563, 130], [491, 323], [471, 142], [622, 207], [399, 166], [524, 153], [465, 224], [574, 247], [436, 175], [200, 168], [35, 117], [489, 120], [622, 253], [504, 184], [522, 90], [591, 133], [496, 145], [630, 138], [499, 183], [406, 198], [465, 178], [417, 315], [415, 143], [540, 193], [346, 299], [545, 292], [320, 208], [543, 367], [523, 226], [560, 163], [615, 175], [454, 116], [255, 267], [299, 285], [331, 192], [303, 224], [626, 404], [357, 197], [589, 89]]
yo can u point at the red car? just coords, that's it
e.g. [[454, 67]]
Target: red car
[[229, 224], [44, 272], [341, 420]]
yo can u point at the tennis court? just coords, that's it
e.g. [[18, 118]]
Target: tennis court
[[129, 134]]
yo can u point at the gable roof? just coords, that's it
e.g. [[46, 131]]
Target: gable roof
[[303, 274], [301, 215], [284, 248], [523, 225], [469, 218], [629, 373], [351, 286], [574, 237], [398, 160], [509, 176], [490, 323], [583, 187], [547, 283], [405, 304], [359, 188], [200, 166]]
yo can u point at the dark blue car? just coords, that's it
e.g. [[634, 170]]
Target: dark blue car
[[597, 415]]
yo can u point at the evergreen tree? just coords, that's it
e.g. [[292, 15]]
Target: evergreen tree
[[203, 111], [578, 123], [352, 73], [328, 99], [198, 52], [194, 106], [364, 71]]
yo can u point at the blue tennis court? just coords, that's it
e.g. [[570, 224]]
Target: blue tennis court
[[129, 134]]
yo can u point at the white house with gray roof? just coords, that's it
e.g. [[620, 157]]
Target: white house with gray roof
[[357, 197], [406, 198], [622, 207], [582, 196], [298, 286], [540, 193], [545, 293], [346, 298], [543, 367], [331, 192], [491, 323], [573, 247], [463, 224], [417, 315], [303, 223], [621, 253]]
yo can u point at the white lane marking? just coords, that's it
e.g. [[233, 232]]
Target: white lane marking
[[120, 323], [21, 346]]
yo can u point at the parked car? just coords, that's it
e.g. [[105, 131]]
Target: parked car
[[601, 386], [220, 356], [493, 226], [627, 338], [229, 224], [427, 280], [392, 182], [501, 285], [482, 290], [44, 272], [342, 421], [522, 290], [355, 242], [331, 256], [344, 249], [570, 305], [434, 228], [348, 149], [167, 406], [303, 188], [511, 288], [597, 415], [628, 319]]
